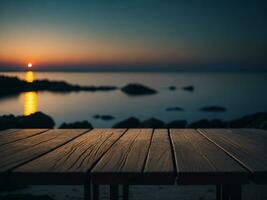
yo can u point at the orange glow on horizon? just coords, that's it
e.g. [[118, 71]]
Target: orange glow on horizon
[[52, 49]]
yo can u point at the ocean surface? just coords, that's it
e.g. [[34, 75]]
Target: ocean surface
[[239, 93]]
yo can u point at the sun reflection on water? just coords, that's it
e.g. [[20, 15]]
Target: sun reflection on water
[[29, 76], [30, 98], [30, 103]]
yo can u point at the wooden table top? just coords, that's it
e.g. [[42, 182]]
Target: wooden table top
[[133, 156]]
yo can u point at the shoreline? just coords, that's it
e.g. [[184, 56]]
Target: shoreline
[[42, 120]]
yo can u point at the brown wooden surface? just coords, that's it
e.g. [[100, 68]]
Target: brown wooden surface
[[69, 163], [12, 135], [125, 161], [5, 131], [199, 161], [20, 152], [248, 147], [133, 156], [160, 163]]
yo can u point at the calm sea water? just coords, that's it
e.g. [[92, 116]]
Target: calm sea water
[[240, 93]]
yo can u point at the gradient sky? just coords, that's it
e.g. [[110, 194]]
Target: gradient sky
[[137, 32]]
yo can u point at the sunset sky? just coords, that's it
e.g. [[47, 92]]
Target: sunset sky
[[166, 33]]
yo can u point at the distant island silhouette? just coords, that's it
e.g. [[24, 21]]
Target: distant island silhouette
[[14, 85]]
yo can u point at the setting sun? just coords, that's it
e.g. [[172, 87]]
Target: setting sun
[[29, 65]]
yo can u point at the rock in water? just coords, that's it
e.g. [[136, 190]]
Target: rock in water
[[104, 117], [172, 88], [81, 124], [135, 89], [189, 88], [258, 120], [131, 122], [213, 109], [204, 123], [35, 120], [152, 123], [107, 117], [174, 109], [177, 124]]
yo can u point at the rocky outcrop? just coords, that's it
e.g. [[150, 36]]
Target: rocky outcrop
[[35, 120], [213, 109], [189, 88], [152, 123], [135, 89], [104, 117], [131, 122], [80, 124], [258, 120], [172, 88], [41, 120], [174, 109], [176, 124], [204, 123]]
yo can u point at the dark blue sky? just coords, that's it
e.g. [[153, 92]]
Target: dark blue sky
[[168, 33]]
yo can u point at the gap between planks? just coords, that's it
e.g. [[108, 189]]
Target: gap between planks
[[95, 163]]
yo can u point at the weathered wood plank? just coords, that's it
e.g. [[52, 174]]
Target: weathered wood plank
[[69, 163], [250, 133], [125, 161], [5, 131], [247, 147], [12, 135], [160, 167], [17, 153], [199, 161]]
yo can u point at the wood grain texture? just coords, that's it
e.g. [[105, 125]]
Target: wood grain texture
[[159, 166], [12, 135], [5, 131], [261, 135], [125, 161], [17, 153], [135, 156], [199, 161], [248, 147], [69, 163]]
